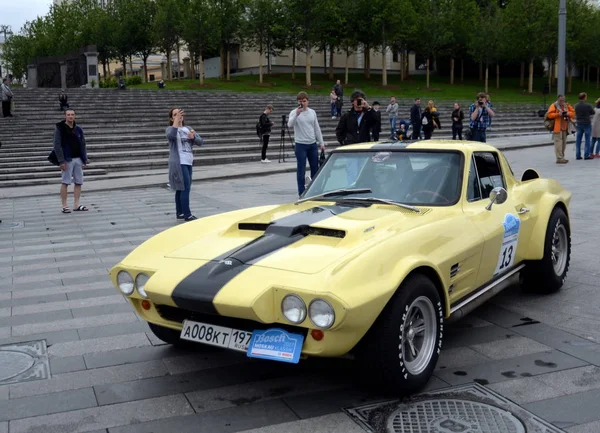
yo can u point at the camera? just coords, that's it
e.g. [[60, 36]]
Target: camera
[[359, 101], [565, 115], [480, 102]]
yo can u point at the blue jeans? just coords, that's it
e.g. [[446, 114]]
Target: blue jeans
[[182, 198], [392, 126], [303, 152], [479, 135], [587, 130], [597, 141], [333, 109]]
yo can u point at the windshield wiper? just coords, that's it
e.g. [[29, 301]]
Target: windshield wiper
[[383, 200], [341, 191]]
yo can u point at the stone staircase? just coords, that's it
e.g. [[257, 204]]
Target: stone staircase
[[125, 130]]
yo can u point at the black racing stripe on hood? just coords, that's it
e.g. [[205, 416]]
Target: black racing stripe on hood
[[197, 291]]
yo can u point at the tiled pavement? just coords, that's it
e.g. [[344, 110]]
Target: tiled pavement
[[110, 374]]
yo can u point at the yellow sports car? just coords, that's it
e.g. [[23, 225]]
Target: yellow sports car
[[389, 241]]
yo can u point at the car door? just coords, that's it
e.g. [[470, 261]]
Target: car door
[[499, 224]]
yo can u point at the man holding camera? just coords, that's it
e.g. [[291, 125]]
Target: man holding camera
[[355, 125], [562, 113], [307, 135], [481, 114]]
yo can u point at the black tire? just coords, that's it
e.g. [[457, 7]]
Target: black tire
[[542, 276], [387, 363]]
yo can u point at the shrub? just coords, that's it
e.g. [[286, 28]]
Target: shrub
[[108, 82], [131, 81]]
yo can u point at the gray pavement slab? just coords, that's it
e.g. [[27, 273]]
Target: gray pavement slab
[[67, 365], [227, 420], [580, 408], [81, 323], [333, 423], [526, 389], [113, 330], [591, 427], [510, 348], [130, 355], [574, 380], [37, 405], [51, 338], [80, 421], [96, 345]]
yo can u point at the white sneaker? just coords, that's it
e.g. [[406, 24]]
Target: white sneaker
[[307, 179], [264, 160], [332, 117]]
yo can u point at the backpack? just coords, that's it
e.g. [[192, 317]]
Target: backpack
[[258, 128], [548, 123]]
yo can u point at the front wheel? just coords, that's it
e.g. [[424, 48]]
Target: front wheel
[[401, 350], [549, 274]]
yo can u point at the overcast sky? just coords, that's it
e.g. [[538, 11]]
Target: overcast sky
[[16, 12]]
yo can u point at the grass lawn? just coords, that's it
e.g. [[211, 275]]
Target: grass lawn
[[439, 90]]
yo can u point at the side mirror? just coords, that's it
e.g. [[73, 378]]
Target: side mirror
[[498, 195]]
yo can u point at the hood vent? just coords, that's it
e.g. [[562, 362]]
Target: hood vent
[[303, 230], [331, 233], [261, 227]]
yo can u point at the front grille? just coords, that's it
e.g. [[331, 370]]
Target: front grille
[[175, 314]]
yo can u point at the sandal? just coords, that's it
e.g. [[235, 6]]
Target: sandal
[[81, 209], [66, 210]]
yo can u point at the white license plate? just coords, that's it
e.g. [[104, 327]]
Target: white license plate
[[220, 336]]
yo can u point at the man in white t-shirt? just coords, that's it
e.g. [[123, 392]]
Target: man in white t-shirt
[[307, 135]]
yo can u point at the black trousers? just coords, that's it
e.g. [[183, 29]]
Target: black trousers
[[6, 109], [457, 130], [416, 131], [264, 146]]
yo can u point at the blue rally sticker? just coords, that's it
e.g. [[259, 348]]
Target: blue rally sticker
[[275, 344], [510, 240]]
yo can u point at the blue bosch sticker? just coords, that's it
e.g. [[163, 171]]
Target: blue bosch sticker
[[275, 344]]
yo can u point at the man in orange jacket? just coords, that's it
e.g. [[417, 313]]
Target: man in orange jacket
[[562, 113]]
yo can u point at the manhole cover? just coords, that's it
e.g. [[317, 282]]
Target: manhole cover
[[23, 362], [10, 225], [452, 416], [471, 408]]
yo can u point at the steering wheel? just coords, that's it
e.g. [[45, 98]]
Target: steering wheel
[[433, 193]]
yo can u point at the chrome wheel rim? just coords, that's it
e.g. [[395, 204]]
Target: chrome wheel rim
[[559, 249], [418, 332]]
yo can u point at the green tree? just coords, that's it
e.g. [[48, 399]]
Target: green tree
[[329, 28], [167, 27], [229, 18], [460, 19], [260, 28], [486, 49], [200, 32]]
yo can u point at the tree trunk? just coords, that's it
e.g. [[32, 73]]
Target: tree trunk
[[131, 64], [522, 80], [487, 76], [145, 69], [222, 62], [597, 76], [367, 55], [406, 65], [570, 85], [260, 64], [201, 68], [451, 71], [427, 75], [530, 85], [480, 70], [108, 67], [228, 64], [178, 59], [589, 70], [550, 70], [383, 66], [124, 61], [401, 60], [308, 78], [497, 75], [347, 66], [325, 60], [104, 69], [294, 62], [583, 74], [462, 70], [193, 65], [331, 77]]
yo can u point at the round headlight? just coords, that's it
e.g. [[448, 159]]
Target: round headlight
[[140, 284], [294, 309], [125, 282], [321, 313]]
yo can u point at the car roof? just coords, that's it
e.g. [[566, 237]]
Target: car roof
[[463, 146]]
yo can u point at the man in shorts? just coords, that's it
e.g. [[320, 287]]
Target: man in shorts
[[69, 146]]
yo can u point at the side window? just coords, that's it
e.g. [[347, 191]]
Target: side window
[[488, 171], [473, 189]]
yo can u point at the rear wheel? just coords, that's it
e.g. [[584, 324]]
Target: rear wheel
[[549, 274], [401, 350]]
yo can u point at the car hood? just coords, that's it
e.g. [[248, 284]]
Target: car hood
[[304, 238]]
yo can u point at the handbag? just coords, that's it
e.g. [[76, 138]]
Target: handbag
[[322, 158], [52, 158]]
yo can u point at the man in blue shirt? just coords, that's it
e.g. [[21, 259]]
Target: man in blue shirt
[[480, 114]]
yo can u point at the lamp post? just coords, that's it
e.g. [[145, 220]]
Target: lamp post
[[4, 29], [562, 46]]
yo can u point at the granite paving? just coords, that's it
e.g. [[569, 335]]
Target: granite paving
[[110, 374]]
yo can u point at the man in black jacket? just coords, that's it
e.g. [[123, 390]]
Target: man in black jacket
[[356, 125], [415, 118]]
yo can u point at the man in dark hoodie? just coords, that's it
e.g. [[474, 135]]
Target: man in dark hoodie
[[70, 149], [356, 125]]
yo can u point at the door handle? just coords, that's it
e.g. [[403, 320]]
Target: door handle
[[523, 210]]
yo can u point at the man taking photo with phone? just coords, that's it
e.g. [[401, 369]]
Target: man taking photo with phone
[[480, 114]]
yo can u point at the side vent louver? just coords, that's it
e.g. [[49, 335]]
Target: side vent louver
[[455, 269], [253, 226]]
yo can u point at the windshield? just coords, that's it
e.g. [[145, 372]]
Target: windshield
[[409, 177]]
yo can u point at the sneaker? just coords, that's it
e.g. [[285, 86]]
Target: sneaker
[[191, 218], [307, 179], [332, 117], [180, 217], [264, 160]]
